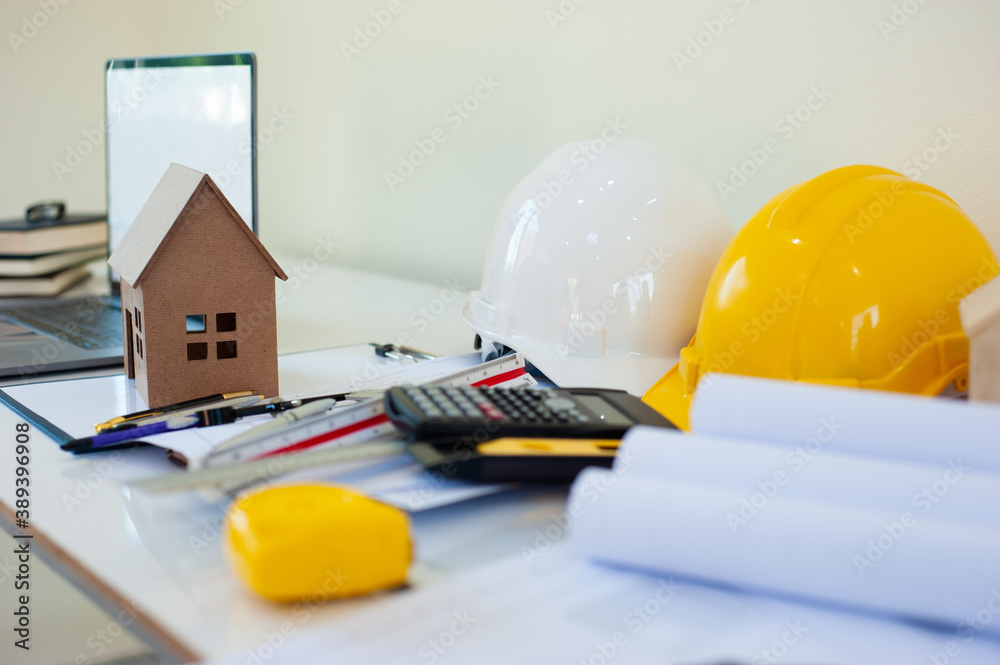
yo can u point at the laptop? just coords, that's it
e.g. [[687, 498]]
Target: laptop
[[199, 111]]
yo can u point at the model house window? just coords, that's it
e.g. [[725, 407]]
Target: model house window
[[225, 350], [138, 319], [138, 345], [194, 323], [197, 351], [225, 322]]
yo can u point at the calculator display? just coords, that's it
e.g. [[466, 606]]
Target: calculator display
[[600, 407]]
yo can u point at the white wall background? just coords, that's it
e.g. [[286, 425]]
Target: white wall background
[[897, 74]]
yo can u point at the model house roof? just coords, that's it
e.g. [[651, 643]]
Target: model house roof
[[154, 223], [981, 308]]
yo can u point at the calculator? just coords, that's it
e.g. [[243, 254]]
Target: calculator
[[427, 413]]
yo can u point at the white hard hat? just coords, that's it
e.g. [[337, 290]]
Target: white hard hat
[[598, 264]]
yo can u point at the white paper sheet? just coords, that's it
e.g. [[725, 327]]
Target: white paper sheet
[[902, 538], [869, 422], [399, 481], [555, 608], [193, 445]]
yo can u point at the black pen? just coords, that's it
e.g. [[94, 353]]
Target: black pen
[[187, 404], [229, 414], [222, 415]]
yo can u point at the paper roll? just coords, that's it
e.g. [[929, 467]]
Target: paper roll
[[870, 422], [843, 530]]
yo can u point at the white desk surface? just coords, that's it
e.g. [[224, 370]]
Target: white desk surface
[[164, 561]]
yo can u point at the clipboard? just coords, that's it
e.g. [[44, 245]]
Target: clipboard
[[68, 409]]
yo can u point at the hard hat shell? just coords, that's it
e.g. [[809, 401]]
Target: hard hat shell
[[598, 262], [852, 278]]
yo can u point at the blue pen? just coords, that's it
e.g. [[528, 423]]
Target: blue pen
[[129, 433]]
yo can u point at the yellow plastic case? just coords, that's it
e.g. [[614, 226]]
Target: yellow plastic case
[[516, 459], [316, 542]]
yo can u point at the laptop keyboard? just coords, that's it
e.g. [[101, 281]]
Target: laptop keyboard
[[90, 323]]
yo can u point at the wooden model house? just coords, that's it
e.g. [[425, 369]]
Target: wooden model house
[[198, 301], [980, 312]]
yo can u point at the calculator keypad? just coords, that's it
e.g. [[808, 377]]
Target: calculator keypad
[[520, 406]]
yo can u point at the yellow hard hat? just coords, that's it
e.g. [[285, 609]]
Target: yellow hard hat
[[852, 278]]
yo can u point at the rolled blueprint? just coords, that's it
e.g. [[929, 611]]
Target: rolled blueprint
[[920, 540], [870, 422]]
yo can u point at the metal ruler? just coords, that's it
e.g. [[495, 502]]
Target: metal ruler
[[357, 423], [506, 372], [344, 425]]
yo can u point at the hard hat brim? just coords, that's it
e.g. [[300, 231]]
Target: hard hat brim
[[633, 373], [670, 397]]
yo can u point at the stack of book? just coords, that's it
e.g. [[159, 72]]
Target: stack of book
[[47, 257]]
